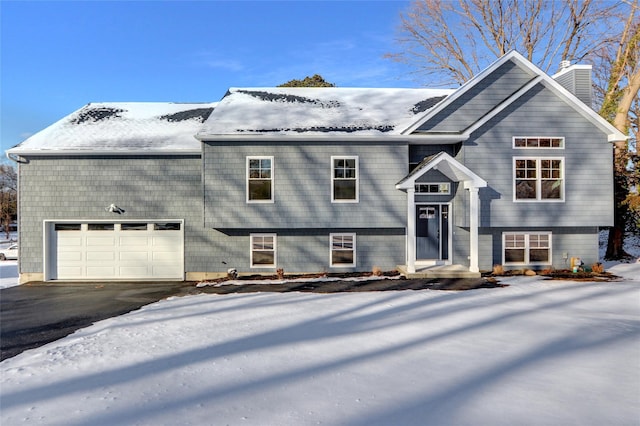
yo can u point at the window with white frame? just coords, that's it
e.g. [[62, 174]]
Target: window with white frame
[[344, 179], [433, 188], [538, 179], [260, 179], [343, 249], [521, 248], [543, 142], [263, 250]]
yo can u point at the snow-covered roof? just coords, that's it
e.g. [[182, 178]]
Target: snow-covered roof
[[296, 111], [123, 127]]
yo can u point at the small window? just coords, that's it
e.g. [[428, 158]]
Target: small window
[[343, 250], [166, 226], [67, 226], [543, 142], [344, 179], [433, 188], [263, 250], [259, 179], [100, 226], [133, 226], [526, 249], [538, 179]]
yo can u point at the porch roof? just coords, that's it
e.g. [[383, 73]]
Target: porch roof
[[448, 166]]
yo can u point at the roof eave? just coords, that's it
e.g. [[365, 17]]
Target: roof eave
[[418, 137], [14, 153]]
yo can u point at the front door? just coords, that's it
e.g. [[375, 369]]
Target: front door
[[432, 232]]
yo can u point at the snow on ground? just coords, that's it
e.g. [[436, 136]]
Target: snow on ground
[[536, 352], [8, 273]]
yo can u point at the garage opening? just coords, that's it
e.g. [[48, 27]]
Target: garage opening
[[131, 250]]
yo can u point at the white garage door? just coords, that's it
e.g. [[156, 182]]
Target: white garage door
[[131, 250]]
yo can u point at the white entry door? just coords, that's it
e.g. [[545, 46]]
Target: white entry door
[[121, 251]]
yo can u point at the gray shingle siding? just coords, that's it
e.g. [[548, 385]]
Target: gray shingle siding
[[79, 188], [479, 100], [302, 186], [588, 200]]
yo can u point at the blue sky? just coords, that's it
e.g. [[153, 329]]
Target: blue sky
[[58, 56]]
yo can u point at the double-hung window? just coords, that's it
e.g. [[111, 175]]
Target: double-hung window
[[263, 250], [538, 179], [259, 179], [526, 248], [344, 179], [343, 250]]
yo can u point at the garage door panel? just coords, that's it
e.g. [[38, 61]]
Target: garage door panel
[[100, 251], [100, 241], [70, 256], [100, 271], [134, 271], [100, 256], [134, 256], [70, 241]]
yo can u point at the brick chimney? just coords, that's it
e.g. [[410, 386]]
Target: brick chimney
[[576, 79]]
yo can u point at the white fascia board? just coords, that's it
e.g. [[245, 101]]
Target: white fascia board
[[257, 137], [475, 126], [15, 152], [471, 180], [613, 134], [466, 86]]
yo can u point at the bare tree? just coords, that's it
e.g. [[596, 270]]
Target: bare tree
[[452, 40], [8, 196], [620, 106]]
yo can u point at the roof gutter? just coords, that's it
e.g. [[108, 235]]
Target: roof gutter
[[16, 154], [279, 137]]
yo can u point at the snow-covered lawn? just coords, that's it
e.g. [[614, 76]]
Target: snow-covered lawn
[[537, 353]]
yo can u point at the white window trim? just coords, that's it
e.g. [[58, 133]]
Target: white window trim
[[259, 157], [539, 180], [345, 157], [275, 251], [527, 248], [448, 192], [513, 142], [342, 265]]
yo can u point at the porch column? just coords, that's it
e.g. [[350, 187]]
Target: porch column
[[474, 202], [411, 230]]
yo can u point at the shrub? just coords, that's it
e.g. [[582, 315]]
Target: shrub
[[498, 270], [597, 268], [377, 271]]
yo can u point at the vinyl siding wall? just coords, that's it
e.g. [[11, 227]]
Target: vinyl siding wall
[[588, 190], [302, 186], [80, 188], [479, 100]]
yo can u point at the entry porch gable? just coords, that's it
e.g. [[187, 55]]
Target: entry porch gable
[[457, 172]]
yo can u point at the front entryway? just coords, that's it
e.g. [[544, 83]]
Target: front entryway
[[432, 232]]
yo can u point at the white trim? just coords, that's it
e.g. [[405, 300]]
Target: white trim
[[49, 234], [271, 178], [357, 178], [439, 184], [353, 249], [274, 250], [513, 142], [469, 178], [93, 153], [474, 214], [538, 160], [527, 247], [538, 76]]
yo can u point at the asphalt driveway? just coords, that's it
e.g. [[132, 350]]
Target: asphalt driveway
[[36, 314], [32, 315]]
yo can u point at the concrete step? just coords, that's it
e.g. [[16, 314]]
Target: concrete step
[[438, 271]]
